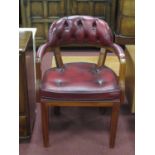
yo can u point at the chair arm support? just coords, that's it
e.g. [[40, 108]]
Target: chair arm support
[[102, 57], [38, 78], [118, 51], [122, 69], [41, 51]]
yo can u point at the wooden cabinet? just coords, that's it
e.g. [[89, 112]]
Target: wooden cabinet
[[41, 13], [130, 75], [26, 85], [125, 26]]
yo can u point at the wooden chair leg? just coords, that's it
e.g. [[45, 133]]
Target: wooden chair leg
[[45, 132], [114, 121]]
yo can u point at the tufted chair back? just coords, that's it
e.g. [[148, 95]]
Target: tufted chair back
[[80, 30]]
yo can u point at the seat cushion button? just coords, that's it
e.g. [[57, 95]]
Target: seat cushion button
[[100, 82], [58, 82]]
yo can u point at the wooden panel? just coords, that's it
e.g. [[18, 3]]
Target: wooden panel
[[24, 40], [31, 85], [23, 13], [99, 9], [41, 13], [81, 7], [22, 126], [130, 76], [22, 85], [26, 85], [55, 8], [40, 30], [128, 7], [36, 9], [87, 7], [103, 9], [36, 12], [123, 40], [127, 26], [125, 29]]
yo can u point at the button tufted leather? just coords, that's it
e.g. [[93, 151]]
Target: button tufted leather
[[84, 84], [80, 29], [80, 81]]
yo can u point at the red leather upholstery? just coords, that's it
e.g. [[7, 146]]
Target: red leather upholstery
[[80, 81], [118, 51], [84, 83], [80, 29]]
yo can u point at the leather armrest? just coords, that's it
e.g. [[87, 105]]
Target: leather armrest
[[122, 69], [41, 51], [118, 51]]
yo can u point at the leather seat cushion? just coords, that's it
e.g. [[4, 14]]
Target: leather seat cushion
[[80, 81]]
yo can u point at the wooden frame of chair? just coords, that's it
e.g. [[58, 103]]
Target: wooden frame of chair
[[114, 104]]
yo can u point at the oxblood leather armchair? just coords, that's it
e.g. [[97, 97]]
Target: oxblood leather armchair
[[80, 84]]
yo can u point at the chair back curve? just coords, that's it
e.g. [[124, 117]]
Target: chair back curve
[[80, 30]]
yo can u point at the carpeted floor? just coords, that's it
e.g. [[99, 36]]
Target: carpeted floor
[[82, 131]]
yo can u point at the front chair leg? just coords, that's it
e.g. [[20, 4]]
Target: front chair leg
[[114, 121], [44, 114]]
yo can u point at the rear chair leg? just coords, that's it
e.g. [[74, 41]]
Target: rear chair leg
[[45, 132], [114, 122]]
